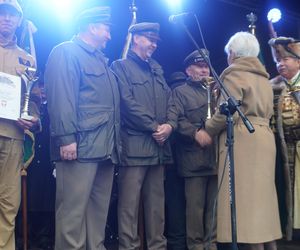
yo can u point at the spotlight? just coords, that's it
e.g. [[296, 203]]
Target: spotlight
[[274, 15]]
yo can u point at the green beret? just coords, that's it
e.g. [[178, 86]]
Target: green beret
[[100, 14], [195, 57], [150, 30], [12, 3]]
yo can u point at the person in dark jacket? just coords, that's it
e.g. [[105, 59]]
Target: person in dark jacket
[[83, 105], [148, 117], [195, 163], [174, 189]]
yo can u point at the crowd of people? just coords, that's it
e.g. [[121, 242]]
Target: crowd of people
[[164, 137]]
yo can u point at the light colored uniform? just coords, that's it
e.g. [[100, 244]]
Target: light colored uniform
[[13, 60]]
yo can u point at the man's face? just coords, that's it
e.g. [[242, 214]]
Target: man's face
[[288, 67], [198, 71], [9, 20], [101, 34], [145, 46]]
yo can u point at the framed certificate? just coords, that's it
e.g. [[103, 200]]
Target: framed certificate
[[10, 96]]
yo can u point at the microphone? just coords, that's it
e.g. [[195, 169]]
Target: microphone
[[283, 41], [179, 17]]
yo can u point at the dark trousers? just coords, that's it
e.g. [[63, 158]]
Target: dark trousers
[[175, 210]]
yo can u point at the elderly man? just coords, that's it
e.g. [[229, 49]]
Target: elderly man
[[83, 104], [286, 86], [14, 61], [195, 163], [148, 118]]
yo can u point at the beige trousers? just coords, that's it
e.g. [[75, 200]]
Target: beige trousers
[[11, 158]]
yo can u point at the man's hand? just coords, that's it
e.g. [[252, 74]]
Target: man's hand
[[26, 124], [162, 133], [69, 152], [203, 138]]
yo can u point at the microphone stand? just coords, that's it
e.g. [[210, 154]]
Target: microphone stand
[[228, 108]]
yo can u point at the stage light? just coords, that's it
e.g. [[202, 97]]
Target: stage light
[[174, 4], [274, 15]]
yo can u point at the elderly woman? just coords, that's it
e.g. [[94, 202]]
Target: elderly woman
[[257, 214]]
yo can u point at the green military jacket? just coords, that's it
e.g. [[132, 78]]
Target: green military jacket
[[83, 102], [146, 102], [192, 159]]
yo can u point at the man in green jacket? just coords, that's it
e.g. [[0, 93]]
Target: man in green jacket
[[195, 163], [148, 118], [83, 104]]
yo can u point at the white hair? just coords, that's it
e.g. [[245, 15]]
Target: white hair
[[242, 44]]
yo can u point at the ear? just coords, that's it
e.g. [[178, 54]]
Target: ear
[[188, 70]]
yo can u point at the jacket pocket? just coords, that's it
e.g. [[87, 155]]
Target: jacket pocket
[[92, 136], [138, 144]]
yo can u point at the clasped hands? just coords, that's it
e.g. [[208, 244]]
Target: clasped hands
[[162, 133], [203, 138]]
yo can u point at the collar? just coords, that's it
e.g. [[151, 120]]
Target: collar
[[196, 84], [8, 44], [295, 81], [87, 47]]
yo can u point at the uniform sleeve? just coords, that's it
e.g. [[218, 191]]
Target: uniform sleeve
[[172, 111], [135, 115], [217, 123], [62, 79], [186, 130]]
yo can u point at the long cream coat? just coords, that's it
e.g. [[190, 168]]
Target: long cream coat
[[254, 155]]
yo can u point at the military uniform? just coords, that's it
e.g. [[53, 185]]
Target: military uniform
[[286, 124], [196, 164], [174, 189], [83, 105], [145, 103], [13, 61]]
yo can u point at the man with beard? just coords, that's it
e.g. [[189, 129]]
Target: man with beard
[[148, 118], [83, 105], [286, 86], [14, 61]]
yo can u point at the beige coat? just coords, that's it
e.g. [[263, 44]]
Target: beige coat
[[254, 155]]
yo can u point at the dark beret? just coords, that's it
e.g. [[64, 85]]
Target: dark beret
[[150, 30], [99, 14], [195, 57], [176, 76]]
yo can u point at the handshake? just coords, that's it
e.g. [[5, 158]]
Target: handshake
[[203, 138]]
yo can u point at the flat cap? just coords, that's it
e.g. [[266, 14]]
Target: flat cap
[[99, 14], [150, 30], [12, 3], [195, 57], [284, 47]]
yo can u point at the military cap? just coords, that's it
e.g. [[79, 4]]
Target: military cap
[[195, 57], [284, 47], [12, 3], [176, 79], [99, 14], [150, 30]]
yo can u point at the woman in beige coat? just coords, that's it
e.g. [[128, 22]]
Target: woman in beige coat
[[256, 200]]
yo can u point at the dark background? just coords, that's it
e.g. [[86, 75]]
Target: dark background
[[219, 19]]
